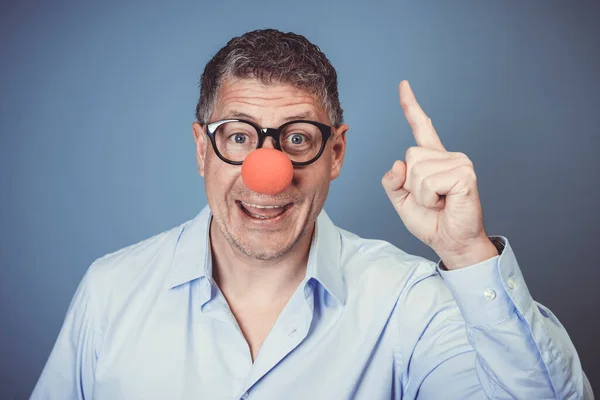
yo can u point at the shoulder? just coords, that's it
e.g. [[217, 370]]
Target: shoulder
[[118, 272], [409, 283], [402, 291]]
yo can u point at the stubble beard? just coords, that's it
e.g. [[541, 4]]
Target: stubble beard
[[245, 248]]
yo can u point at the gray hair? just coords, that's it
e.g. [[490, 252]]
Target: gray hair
[[271, 56]]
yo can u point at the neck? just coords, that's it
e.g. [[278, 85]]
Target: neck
[[245, 279]]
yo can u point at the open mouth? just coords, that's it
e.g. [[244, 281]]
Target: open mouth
[[263, 212]]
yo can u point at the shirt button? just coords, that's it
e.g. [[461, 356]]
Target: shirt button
[[511, 282], [490, 294], [245, 396]]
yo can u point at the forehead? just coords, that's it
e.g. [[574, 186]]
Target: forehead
[[266, 104]]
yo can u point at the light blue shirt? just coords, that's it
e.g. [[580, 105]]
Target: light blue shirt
[[369, 321]]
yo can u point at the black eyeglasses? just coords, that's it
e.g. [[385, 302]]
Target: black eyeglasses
[[302, 141]]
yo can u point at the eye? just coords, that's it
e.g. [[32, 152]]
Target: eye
[[239, 138], [296, 139]]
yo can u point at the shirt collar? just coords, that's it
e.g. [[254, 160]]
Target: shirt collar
[[324, 258], [192, 255], [192, 258]]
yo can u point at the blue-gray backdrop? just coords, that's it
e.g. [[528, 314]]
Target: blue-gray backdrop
[[97, 101]]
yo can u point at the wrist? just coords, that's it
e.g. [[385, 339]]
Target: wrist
[[473, 254]]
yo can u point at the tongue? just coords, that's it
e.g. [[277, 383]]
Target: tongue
[[264, 212]]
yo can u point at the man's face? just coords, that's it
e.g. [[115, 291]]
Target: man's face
[[268, 106]]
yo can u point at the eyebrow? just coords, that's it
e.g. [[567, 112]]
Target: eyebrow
[[240, 115]]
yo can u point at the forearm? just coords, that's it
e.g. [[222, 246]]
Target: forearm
[[522, 349]]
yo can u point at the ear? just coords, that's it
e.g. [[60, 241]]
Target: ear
[[201, 145], [338, 150]]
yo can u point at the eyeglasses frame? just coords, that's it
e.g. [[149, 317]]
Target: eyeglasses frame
[[264, 133]]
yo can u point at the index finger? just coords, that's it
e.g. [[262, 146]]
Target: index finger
[[421, 125]]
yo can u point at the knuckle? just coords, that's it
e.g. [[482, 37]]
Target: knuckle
[[463, 155], [427, 184], [415, 171], [464, 158], [469, 173], [412, 154]]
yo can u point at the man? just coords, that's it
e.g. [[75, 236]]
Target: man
[[262, 296]]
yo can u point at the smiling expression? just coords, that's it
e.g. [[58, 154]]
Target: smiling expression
[[262, 226]]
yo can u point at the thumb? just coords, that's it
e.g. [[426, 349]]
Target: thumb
[[393, 182]]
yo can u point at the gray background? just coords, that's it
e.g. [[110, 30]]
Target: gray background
[[97, 101]]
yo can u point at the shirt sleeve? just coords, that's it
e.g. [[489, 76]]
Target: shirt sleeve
[[521, 348], [69, 371]]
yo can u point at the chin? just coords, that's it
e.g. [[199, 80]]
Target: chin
[[258, 251], [265, 245]]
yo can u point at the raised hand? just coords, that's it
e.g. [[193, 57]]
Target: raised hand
[[435, 193]]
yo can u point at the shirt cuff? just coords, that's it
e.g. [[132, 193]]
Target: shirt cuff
[[490, 291]]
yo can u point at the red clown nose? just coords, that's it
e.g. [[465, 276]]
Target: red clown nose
[[267, 171]]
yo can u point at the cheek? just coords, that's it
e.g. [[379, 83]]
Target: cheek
[[313, 179], [219, 178]]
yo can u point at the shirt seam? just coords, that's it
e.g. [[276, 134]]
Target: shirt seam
[[560, 360]]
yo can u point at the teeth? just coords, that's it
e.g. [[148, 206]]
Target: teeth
[[259, 206], [258, 216], [249, 206]]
